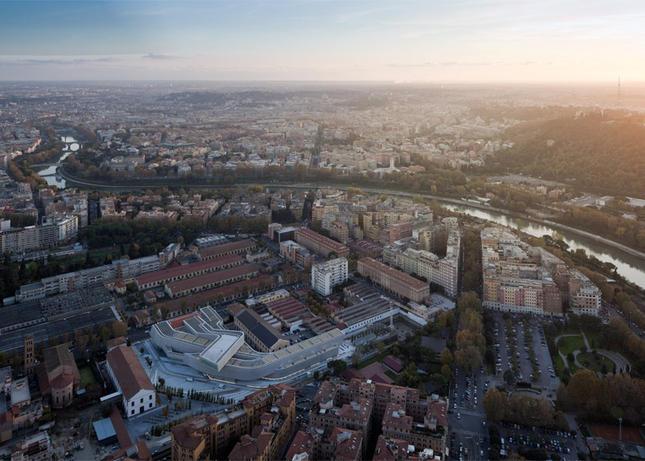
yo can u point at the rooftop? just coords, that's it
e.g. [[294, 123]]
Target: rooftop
[[393, 273], [128, 371], [212, 277], [187, 269], [260, 328]]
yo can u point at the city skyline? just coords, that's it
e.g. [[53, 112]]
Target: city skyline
[[466, 41]]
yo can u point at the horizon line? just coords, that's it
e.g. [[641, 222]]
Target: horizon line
[[339, 81]]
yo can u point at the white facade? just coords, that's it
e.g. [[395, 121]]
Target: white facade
[[325, 276], [137, 402], [125, 269], [143, 400], [32, 238]]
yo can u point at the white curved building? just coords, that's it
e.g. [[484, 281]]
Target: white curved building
[[199, 340]]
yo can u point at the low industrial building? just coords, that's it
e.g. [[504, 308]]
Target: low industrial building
[[240, 247], [128, 376], [258, 332], [187, 271], [207, 281]]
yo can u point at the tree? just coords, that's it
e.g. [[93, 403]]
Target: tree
[[494, 404], [446, 357], [469, 300], [337, 366], [119, 329], [446, 372]]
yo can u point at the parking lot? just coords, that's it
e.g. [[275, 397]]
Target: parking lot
[[520, 349], [520, 346], [529, 440]]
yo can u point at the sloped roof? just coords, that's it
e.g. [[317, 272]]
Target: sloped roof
[[128, 371]]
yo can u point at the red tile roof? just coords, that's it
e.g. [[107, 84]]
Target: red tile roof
[[122, 434], [303, 442], [187, 269], [393, 363], [216, 250], [215, 294], [128, 371], [211, 277]]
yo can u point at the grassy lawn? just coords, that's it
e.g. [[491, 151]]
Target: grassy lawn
[[87, 377], [558, 366], [570, 343], [566, 345], [598, 363]]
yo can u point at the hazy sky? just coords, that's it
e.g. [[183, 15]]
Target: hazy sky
[[401, 40]]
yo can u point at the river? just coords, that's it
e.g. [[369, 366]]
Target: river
[[49, 174], [630, 267]]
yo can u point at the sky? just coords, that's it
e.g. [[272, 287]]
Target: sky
[[320, 40]]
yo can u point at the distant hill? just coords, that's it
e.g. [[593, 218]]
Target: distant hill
[[596, 154]]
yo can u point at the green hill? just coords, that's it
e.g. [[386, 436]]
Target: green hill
[[595, 154]]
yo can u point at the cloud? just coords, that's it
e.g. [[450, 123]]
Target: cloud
[[60, 61], [161, 57], [463, 64]]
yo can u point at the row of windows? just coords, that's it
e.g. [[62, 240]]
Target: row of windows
[[141, 399]]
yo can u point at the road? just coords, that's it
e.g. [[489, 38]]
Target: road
[[467, 419]]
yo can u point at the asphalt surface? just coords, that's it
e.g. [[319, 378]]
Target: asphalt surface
[[467, 419], [14, 341], [513, 342]]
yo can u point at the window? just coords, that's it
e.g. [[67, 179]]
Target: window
[[141, 400], [131, 412], [150, 406], [150, 397], [132, 404]]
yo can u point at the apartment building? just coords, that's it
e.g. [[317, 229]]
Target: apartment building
[[296, 253], [123, 269], [521, 278], [319, 244], [585, 298], [393, 280], [49, 234], [214, 436], [329, 274], [400, 412]]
